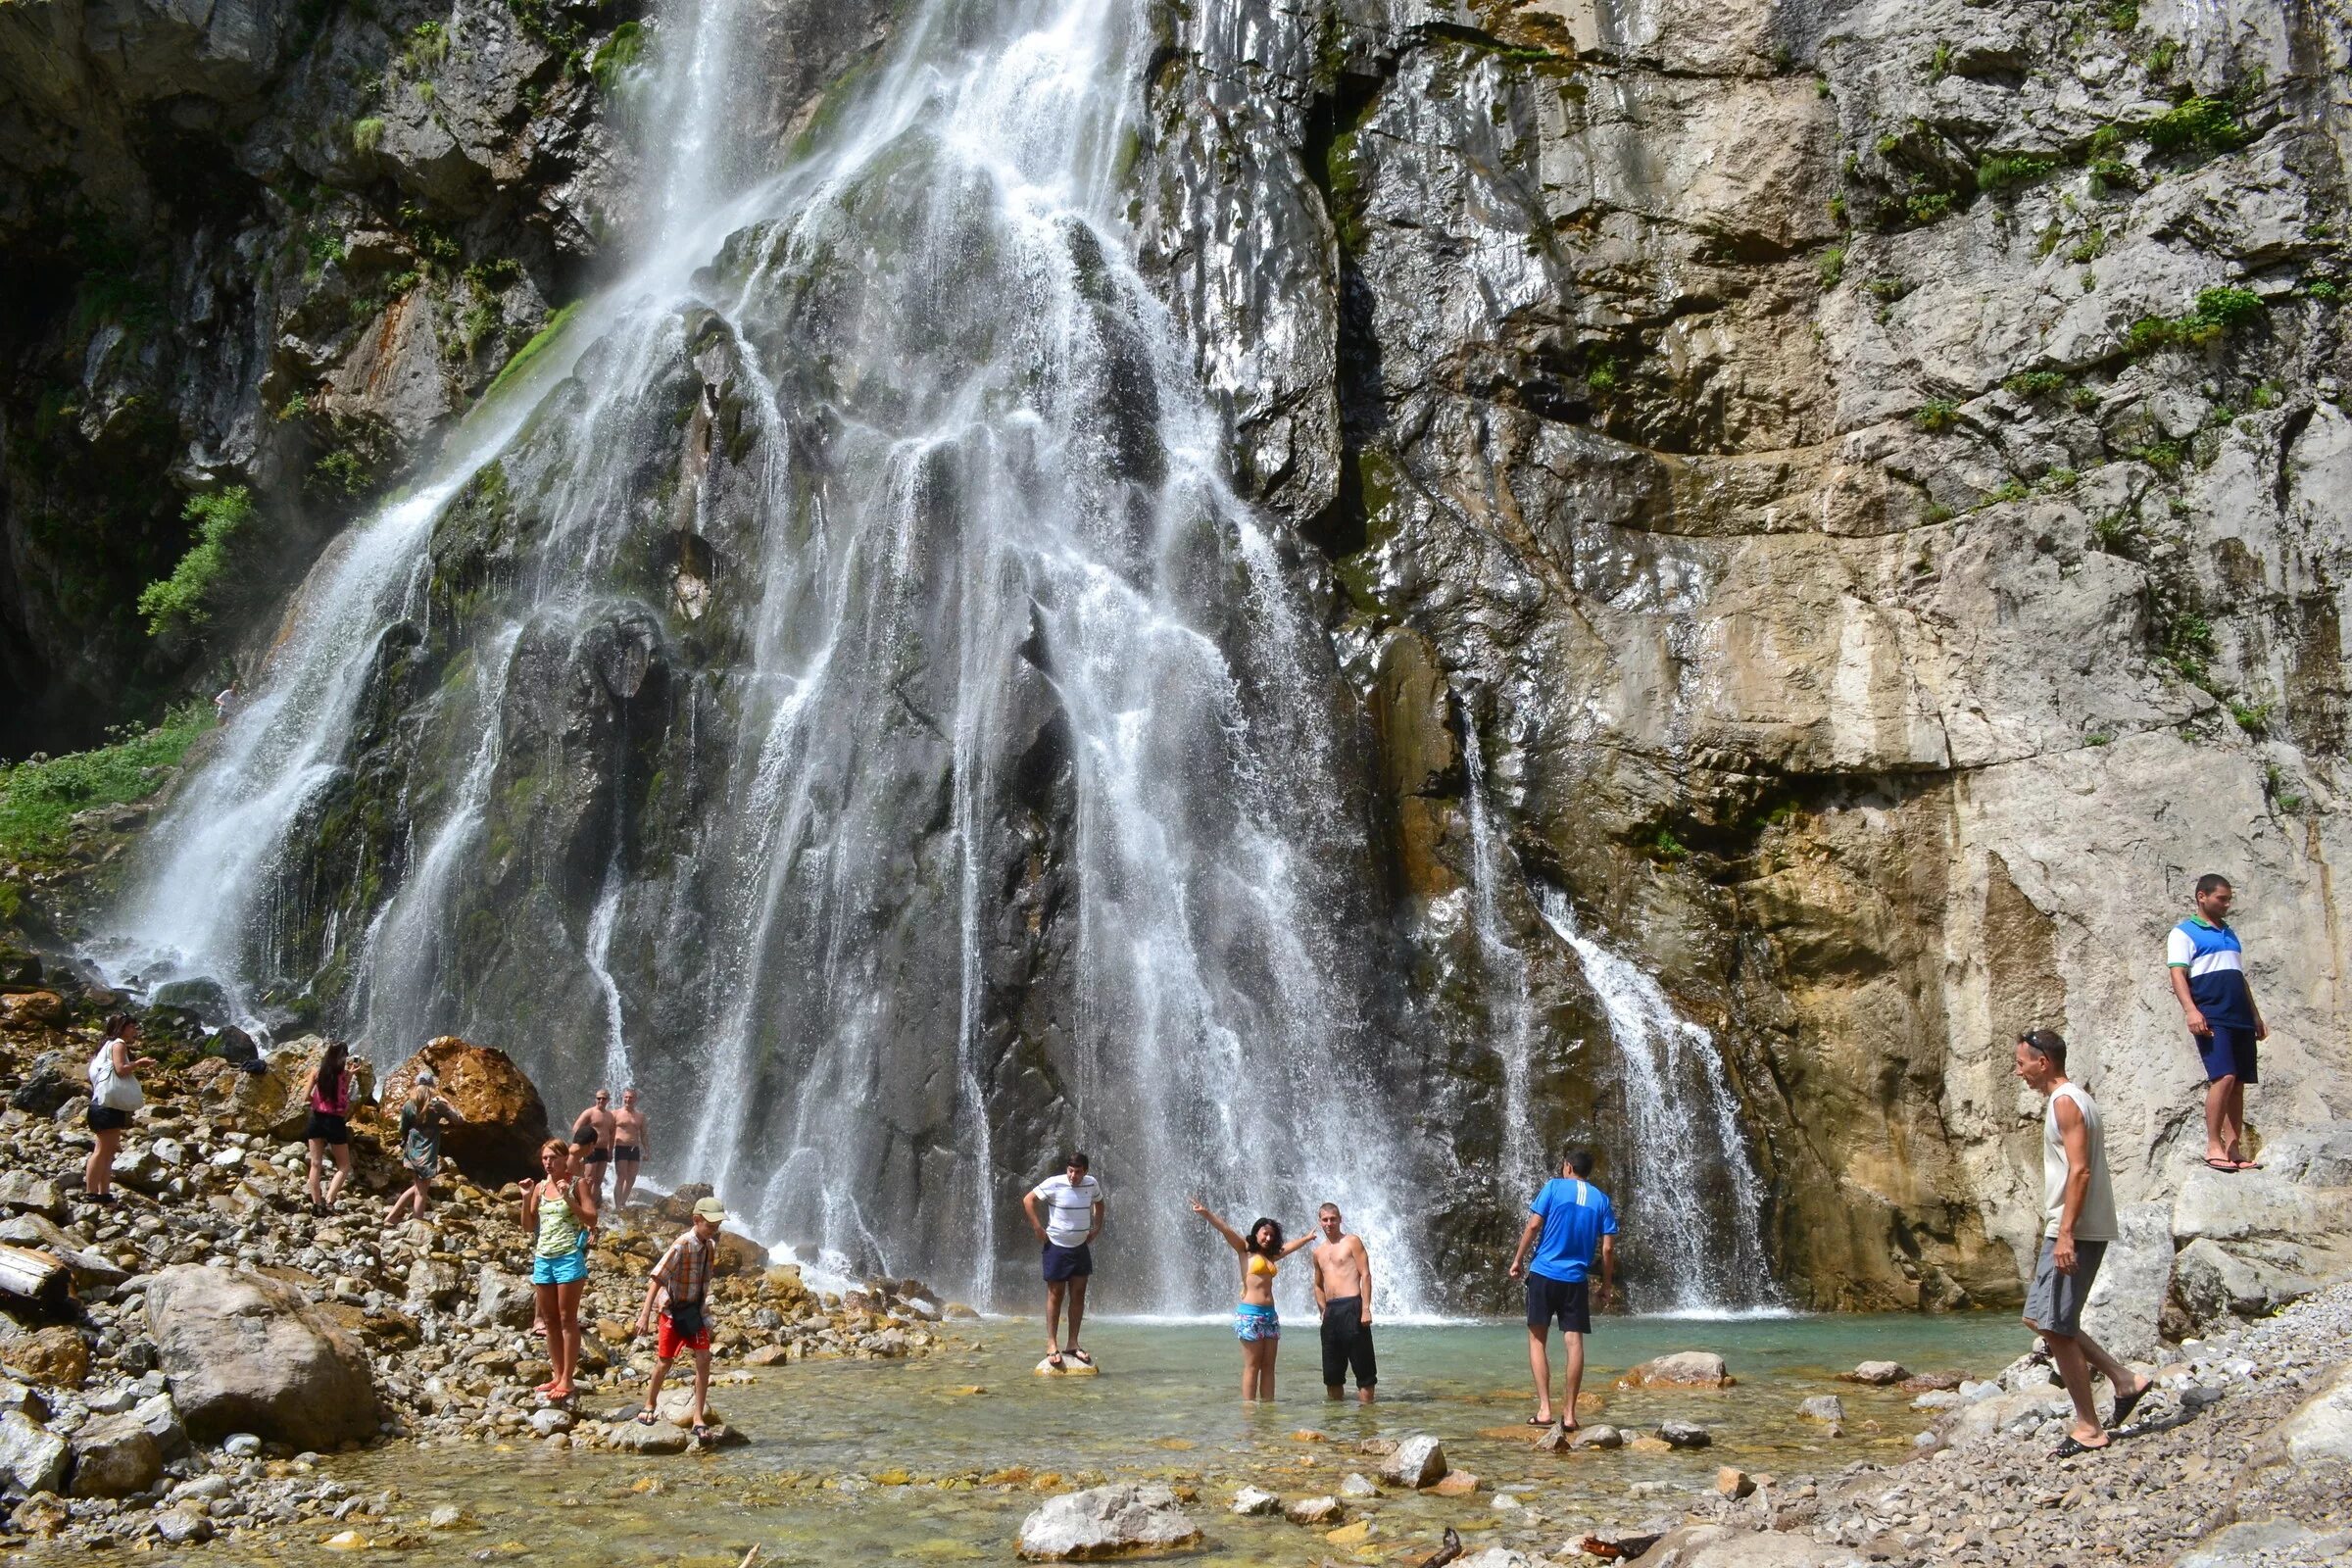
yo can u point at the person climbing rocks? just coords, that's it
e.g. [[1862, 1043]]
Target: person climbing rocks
[[1571, 1224], [1072, 1219], [597, 1119], [424, 1113], [1342, 1281], [559, 1212], [2208, 969], [115, 1093], [328, 1094], [629, 1144], [1256, 1322], [2078, 1209], [680, 1283]]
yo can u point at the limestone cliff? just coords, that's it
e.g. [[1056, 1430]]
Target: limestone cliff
[[1860, 492]]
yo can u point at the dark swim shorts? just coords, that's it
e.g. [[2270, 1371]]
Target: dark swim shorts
[[1569, 1300], [1068, 1262], [2228, 1052]]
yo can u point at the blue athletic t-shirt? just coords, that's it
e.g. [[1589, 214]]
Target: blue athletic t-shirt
[[1576, 1216], [2217, 971]]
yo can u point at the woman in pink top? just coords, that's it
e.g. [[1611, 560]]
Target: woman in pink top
[[329, 1095]]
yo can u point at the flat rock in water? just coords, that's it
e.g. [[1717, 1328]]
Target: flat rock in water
[[1684, 1369], [1597, 1437], [631, 1437], [1823, 1408], [1932, 1382], [1877, 1374], [1252, 1500], [1455, 1484], [1494, 1557], [1323, 1510], [1684, 1435], [1353, 1484], [1067, 1369], [1106, 1521], [1419, 1461]]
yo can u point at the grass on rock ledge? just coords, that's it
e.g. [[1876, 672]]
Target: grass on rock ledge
[[40, 798]]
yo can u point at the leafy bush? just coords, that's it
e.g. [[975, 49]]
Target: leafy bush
[[2121, 15], [2189, 643], [2115, 532], [1929, 208], [2035, 384], [2165, 457], [2323, 289], [38, 797], [342, 473], [1937, 414], [2198, 125], [1602, 377], [179, 600], [2008, 173], [2252, 718], [428, 46], [2217, 311], [2090, 248], [2008, 490], [1832, 266], [1888, 287]]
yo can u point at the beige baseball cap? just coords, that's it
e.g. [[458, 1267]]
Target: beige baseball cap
[[711, 1210]]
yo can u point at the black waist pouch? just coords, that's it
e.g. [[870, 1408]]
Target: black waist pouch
[[686, 1318]]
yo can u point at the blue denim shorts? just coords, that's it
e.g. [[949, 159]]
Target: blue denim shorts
[[562, 1270]]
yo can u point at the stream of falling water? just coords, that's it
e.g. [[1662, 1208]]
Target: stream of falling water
[[971, 514]]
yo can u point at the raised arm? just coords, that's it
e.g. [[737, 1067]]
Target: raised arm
[[1233, 1238]]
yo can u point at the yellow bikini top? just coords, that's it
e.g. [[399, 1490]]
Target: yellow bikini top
[[1259, 1264]]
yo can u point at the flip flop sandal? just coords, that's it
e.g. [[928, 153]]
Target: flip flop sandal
[[2225, 1168], [701, 1433], [1054, 1362], [2073, 1445], [1542, 1420], [1080, 1356], [645, 1418], [2126, 1403]]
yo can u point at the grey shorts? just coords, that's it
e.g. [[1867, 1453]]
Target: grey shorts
[[2054, 1304]]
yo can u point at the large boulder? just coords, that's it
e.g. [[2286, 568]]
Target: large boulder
[[54, 1078], [115, 1456], [2318, 1434], [24, 1189], [248, 1354], [2135, 1277], [506, 1121], [1727, 1546], [500, 1301], [1684, 1369], [2211, 1282], [1108, 1522], [32, 1458], [1419, 1461]]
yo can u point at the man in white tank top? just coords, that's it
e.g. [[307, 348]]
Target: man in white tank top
[[2078, 1222]]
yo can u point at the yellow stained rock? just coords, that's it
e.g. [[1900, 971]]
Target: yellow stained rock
[[347, 1540], [1355, 1534], [891, 1477], [968, 1389], [1178, 1445], [1456, 1484], [646, 1483], [1306, 1434]]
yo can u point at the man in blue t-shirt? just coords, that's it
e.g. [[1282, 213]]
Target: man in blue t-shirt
[[1570, 1224], [2208, 967]]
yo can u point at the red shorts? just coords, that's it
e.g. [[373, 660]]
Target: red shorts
[[670, 1342]]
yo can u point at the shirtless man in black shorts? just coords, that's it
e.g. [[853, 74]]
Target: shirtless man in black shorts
[[1343, 1293], [628, 1148], [599, 1119]]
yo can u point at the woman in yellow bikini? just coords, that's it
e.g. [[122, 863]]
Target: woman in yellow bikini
[[1256, 1323]]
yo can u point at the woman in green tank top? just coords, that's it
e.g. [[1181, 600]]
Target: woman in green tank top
[[559, 1211]]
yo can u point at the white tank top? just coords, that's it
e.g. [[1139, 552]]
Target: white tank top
[[2096, 1222]]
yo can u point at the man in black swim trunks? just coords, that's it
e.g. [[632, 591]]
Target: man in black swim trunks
[[628, 1146], [1073, 1219], [592, 1132], [1344, 1294]]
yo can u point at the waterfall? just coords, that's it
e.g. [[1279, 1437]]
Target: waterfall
[[838, 691], [1694, 1204], [1512, 1024]]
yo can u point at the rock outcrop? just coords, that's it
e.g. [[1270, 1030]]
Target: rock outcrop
[[505, 1123], [249, 1354]]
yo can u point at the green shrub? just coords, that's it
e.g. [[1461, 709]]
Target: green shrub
[[428, 46], [1940, 64], [179, 601], [2228, 305], [1888, 144], [38, 799], [2010, 172], [2090, 248], [1602, 377], [2198, 125], [2082, 399], [1937, 414], [1937, 512], [1888, 287], [2121, 15], [616, 55], [2217, 311], [2165, 457], [1929, 208], [2189, 643], [2323, 289], [2252, 718], [2162, 55], [295, 407], [2114, 171], [1666, 847], [2114, 532], [2008, 490], [2061, 478], [342, 473], [1832, 266], [2265, 396], [2035, 384]]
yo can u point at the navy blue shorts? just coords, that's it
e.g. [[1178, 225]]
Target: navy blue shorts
[[1068, 1262], [1569, 1300], [2228, 1053]]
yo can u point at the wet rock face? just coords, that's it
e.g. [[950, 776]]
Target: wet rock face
[[1746, 410]]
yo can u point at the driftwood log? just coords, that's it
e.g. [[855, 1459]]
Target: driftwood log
[[34, 1276]]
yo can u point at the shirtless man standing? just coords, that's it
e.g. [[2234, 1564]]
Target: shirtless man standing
[[1343, 1293], [628, 1146], [597, 1118]]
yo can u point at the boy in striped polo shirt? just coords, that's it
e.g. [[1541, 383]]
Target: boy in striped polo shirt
[[2209, 977]]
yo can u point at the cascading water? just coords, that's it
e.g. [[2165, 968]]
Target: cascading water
[[838, 691], [1512, 1024], [1695, 1198]]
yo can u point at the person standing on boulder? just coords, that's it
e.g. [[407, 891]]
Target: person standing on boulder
[[559, 1211], [1570, 1224], [423, 1116], [1072, 1221], [329, 1095], [2208, 970], [629, 1144], [1342, 1277], [2078, 1209], [597, 1119], [681, 1283], [114, 1093]]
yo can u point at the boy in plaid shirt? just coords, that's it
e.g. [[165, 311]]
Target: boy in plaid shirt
[[682, 1279]]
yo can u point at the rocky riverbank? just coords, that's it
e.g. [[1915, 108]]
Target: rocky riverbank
[[183, 1358]]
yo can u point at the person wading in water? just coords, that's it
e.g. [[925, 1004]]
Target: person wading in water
[[1342, 1273], [1074, 1218], [1256, 1323]]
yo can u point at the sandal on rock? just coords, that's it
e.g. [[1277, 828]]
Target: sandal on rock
[[701, 1433], [2126, 1403], [1053, 1360], [1542, 1420], [1080, 1356], [645, 1417], [2227, 1167], [2073, 1445]]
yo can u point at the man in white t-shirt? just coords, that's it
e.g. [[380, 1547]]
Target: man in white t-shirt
[[1072, 1219]]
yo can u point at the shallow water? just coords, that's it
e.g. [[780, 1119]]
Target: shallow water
[[888, 1460]]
